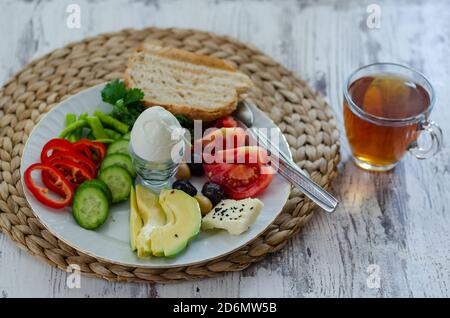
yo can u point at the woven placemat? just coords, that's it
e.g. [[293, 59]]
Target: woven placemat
[[302, 115]]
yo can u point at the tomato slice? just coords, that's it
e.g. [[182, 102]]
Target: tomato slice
[[40, 192], [227, 122], [245, 155], [251, 190], [74, 157], [74, 172], [224, 138], [55, 145], [243, 172], [95, 151]]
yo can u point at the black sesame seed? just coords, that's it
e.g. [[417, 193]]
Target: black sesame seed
[[251, 208], [176, 235], [240, 210]]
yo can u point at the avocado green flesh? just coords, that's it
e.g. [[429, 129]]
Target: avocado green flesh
[[168, 222]]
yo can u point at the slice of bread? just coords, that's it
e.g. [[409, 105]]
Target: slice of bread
[[194, 85]]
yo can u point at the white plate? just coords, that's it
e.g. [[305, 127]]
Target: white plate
[[111, 241]]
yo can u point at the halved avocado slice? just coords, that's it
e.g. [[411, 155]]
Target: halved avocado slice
[[135, 220], [152, 215], [157, 237], [184, 221]]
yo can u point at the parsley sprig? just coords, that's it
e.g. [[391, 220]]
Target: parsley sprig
[[127, 103]]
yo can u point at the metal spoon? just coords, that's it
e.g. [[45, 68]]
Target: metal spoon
[[286, 167]]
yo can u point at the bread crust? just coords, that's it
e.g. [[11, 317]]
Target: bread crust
[[186, 56], [195, 113]]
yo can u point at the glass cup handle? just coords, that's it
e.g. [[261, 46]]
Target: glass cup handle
[[435, 132]]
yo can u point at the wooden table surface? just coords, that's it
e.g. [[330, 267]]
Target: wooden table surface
[[393, 226]]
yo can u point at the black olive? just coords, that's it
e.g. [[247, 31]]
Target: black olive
[[213, 192], [185, 186], [196, 169], [196, 165]]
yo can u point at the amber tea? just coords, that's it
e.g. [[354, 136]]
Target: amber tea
[[383, 115], [387, 97]]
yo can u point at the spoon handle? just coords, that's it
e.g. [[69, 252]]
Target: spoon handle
[[291, 172], [311, 189]]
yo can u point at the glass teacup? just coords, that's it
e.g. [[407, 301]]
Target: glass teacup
[[386, 108]]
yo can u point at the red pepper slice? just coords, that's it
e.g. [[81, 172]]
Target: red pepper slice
[[40, 192], [55, 145], [74, 172], [50, 182], [97, 150], [84, 150], [74, 157]]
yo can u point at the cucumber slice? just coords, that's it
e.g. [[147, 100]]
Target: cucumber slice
[[101, 185], [119, 159], [120, 146], [118, 181], [90, 207]]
